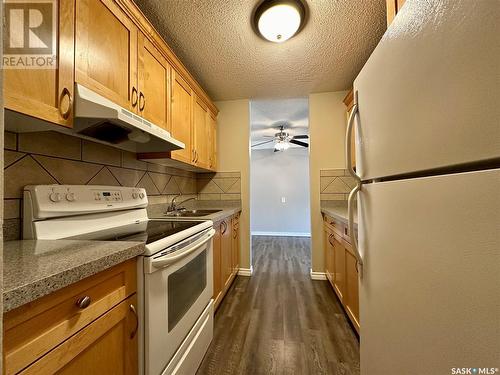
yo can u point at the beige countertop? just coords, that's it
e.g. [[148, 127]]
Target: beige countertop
[[33, 269], [338, 210]]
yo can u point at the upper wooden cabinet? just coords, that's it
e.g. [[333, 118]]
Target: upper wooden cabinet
[[109, 47], [393, 7], [201, 139], [212, 141], [106, 51], [154, 84], [349, 103], [182, 113], [47, 94]]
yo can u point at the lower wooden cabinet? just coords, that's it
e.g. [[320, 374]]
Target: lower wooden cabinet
[[235, 225], [351, 288], [88, 327], [341, 268], [225, 256]]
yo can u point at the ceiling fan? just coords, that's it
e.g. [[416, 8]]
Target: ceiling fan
[[283, 139]]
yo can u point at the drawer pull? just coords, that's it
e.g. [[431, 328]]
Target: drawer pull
[[134, 311], [83, 302], [65, 93]]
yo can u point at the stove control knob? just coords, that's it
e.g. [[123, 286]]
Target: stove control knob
[[70, 197], [135, 195], [55, 197], [141, 195]]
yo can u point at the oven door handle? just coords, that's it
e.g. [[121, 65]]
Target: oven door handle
[[166, 260]]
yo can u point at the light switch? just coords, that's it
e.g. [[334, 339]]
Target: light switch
[[283, 199]]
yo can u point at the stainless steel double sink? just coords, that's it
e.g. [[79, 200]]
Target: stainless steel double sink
[[191, 213]]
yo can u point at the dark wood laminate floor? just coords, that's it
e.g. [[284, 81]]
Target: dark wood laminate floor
[[279, 321]]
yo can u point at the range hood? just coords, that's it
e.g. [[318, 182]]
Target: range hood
[[99, 118]]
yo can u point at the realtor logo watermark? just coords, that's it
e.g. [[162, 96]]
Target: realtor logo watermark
[[30, 34], [474, 370]]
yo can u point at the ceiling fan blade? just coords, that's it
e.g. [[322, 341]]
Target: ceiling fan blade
[[303, 144], [304, 136], [276, 150], [263, 143]]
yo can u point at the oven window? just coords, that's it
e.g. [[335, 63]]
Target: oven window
[[184, 287]]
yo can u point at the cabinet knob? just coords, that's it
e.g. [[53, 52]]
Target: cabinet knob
[[142, 101], [134, 311], [134, 96], [83, 302], [65, 94]]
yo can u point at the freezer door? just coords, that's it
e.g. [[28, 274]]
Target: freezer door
[[430, 292], [429, 94]]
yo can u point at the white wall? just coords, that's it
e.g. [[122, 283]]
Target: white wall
[[327, 122], [233, 140], [274, 175]]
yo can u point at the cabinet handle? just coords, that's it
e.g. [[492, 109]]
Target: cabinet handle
[[65, 92], [134, 311], [196, 156], [83, 302], [134, 96], [142, 99], [193, 158], [225, 227]]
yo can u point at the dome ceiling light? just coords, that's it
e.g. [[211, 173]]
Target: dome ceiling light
[[279, 20]]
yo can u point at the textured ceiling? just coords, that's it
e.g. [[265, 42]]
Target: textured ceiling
[[215, 40], [267, 115]]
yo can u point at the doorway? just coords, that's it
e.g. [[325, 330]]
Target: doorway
[[279, 168]]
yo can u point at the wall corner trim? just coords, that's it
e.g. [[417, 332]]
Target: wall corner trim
[[245, 271], [318, 275]]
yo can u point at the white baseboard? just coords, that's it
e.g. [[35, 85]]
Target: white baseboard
[[245, 271], [282, 234], [318, 275]]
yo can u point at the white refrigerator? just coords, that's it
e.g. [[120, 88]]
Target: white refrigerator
[[427, 128]]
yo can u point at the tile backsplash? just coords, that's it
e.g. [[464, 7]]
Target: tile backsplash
[[335, 184], [55, 158], [219, 186]]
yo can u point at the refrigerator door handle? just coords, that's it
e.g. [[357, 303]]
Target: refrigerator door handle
[[348, 146], [350, 226]]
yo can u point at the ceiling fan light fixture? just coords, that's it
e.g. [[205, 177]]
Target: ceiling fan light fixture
[[279, 20], [281, 146]]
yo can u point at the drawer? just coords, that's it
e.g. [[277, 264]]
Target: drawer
[[338, 227], [32, 330]]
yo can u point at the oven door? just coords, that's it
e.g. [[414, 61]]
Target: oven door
[[177, 289]]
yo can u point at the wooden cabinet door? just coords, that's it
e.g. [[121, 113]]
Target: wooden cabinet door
[[217, 266], [212, 141], [235, 244], [351, 288], [339, 267], [182, 111], [226, 253], [329, 256], [201, 137], [106, 346], [106, 51], [47, 94], [393, 7], [154, 89]]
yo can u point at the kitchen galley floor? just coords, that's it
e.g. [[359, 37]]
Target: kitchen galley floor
[[280, 321]]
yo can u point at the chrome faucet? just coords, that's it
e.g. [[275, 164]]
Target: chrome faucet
[[174, 206]]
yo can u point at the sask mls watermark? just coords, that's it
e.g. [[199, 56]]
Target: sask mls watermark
[[30, 34]]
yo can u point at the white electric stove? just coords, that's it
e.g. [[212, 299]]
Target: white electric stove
[[175, 275]]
